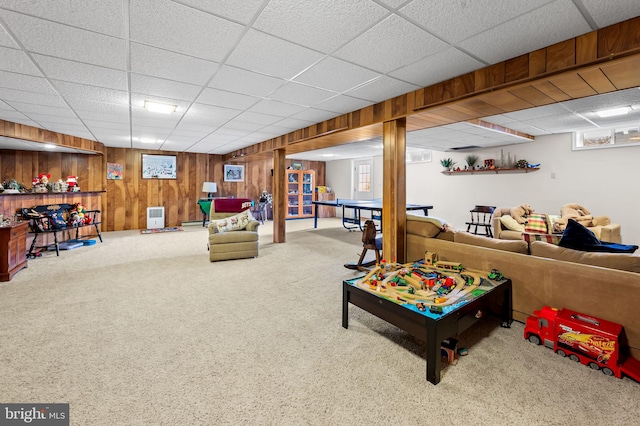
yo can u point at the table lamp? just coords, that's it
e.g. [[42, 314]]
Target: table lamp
[[210, 188]]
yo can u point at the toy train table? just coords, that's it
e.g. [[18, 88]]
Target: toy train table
[[430, 300]]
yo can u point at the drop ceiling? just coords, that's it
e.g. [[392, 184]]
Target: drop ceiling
[[243, 72]]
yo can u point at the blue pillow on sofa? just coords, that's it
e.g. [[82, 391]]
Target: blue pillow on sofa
[[577, 237]]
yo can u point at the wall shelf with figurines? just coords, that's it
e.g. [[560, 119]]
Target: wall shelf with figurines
[[520, 166]]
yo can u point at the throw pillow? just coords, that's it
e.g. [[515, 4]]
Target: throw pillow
[[234, 223], [536, 223], [511, 224], [578, 237]]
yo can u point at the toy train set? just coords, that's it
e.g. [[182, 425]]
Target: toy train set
[[591, 341], [428, 284]]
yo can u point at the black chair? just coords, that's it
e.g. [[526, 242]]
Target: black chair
[[481, 218]]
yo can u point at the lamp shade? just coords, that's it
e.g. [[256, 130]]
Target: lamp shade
[[209, 187]]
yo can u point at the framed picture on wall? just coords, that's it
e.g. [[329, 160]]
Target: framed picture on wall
[[159, 166], [233, 173], [114, 171]]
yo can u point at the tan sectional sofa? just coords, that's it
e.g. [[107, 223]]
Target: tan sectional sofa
[[603, 285]]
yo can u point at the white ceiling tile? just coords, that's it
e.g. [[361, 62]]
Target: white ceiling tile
[[243, 126], [240, 11], [226, 99], [95, 110], [146, 85], [478, 16], [209, 115], [258, 118], [10, 115], [557, 21], [393, 3], [292, 124], [172, 26], [55, 118], [41, 109], [390, 45], [246, 82], [327, 24], [437, 67], [160, 123], [314, 115], [6, 40], [381, 89], [104, 16], [606, 13], [91, 93], [19, 97], [75, 72], [17, 61], [173, 145], [10, 80], [300, 94], [269, 55], [102, 126], [54, 39], [337, 75], [281, 109], [343, 104], [161, 63]]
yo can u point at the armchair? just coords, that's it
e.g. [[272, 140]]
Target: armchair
[[233, 232]]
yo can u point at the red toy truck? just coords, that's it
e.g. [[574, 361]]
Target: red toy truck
[[592, 341]]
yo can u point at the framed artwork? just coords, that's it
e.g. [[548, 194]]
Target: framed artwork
[[606, 138], [114, 171], [159, 166], [296, 165], [233, 173]]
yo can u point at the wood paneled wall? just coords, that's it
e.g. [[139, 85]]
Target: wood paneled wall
[[128, 199], [124, 205]]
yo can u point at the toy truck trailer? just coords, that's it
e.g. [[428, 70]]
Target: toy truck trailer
[[591, 341]]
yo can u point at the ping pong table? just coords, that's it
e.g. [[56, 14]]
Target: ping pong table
[[352, 211]]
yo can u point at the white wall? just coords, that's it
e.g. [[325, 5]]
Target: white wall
[[605, 181]]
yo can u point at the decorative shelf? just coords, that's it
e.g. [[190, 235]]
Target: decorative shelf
[[471, 172]]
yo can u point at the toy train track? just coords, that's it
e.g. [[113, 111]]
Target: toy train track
[[424, 286]]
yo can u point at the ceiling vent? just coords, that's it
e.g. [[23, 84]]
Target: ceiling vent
[[462, 148]]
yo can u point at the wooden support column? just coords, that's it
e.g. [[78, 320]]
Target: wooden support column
[[394, 193], [279, 196]]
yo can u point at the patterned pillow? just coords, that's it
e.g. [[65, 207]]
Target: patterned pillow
[[536, 223], [233, 223], [551, 221]]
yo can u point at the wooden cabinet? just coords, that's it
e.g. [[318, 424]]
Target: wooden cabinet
[[13, 249], [300, 186], [326, 211]]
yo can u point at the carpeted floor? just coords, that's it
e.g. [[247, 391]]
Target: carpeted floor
[[138, 331]]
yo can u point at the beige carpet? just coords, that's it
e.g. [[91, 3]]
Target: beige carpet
[[144, 330]]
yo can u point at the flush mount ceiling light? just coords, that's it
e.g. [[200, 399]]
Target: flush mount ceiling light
[[328, 155], [161, 108], [613, 112], [49, 146]]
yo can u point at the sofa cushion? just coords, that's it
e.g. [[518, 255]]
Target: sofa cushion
[[511, 224], [536, 223], [516, 246], [622, 261], [425, 226], [578, 237], [232, 223]]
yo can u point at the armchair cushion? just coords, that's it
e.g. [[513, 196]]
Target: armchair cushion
[[236, 222]]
